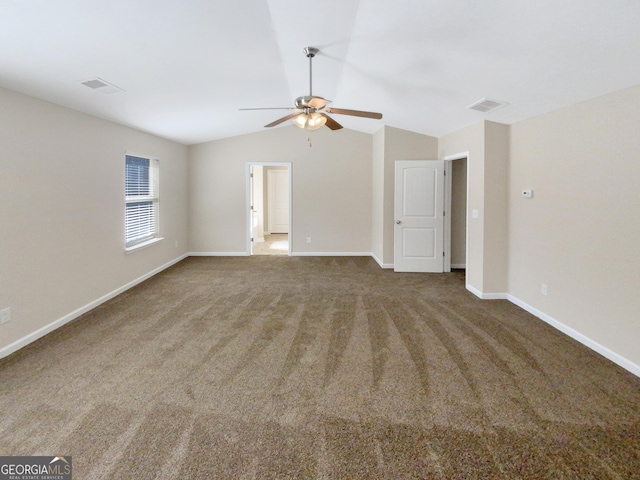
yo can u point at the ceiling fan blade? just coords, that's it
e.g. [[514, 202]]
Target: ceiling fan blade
[[354, 113], [283, 119], [331, 123]]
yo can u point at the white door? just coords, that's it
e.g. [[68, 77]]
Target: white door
[[256, 202], [278, 195], [419, 216]]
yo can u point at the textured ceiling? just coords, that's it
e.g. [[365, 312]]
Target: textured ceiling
[[187, 66]]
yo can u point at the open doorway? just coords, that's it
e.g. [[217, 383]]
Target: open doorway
[[456, 205], [269, 208]]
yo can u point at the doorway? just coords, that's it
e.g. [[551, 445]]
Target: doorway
[[269, 208], [456, 206]]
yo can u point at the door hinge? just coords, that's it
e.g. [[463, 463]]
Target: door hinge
[[251, 175], [252, 239], [443, 254]]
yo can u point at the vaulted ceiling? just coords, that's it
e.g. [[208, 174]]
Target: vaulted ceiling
[[185, 67]]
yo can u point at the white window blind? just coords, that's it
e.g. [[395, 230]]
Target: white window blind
[[141, 199]]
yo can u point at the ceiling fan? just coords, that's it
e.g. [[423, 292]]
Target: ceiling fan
[[311, 111]]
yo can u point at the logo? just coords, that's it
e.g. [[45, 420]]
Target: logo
[[35, 468]]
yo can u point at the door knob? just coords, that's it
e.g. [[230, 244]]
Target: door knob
[[398, 222]]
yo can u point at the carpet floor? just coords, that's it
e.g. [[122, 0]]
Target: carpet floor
[[317, 368]]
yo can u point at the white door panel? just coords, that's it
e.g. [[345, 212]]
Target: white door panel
[[418, 242], [419, 216]]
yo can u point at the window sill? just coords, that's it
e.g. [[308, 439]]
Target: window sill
[[142, 245]]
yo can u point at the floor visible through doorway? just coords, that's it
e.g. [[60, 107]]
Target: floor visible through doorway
[[274, 244]]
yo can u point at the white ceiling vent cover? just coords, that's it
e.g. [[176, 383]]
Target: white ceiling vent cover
[[486, 105], [101, 85]]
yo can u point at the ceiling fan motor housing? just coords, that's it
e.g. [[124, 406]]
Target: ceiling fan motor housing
[[311, 101]]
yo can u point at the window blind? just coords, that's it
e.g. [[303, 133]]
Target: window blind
[[141, 199]]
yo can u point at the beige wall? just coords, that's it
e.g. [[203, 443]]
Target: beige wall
[[332, 189], [378, 196], [580, 233], [486, 146], [62, 212], [496, 162], [470, 141]]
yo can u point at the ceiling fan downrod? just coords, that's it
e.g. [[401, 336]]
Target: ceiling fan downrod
[[310, 52]]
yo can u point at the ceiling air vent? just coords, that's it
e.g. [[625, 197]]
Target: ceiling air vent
[[101, 86], [485, 105]]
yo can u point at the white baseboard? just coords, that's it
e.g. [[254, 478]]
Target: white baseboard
[[330, 254], [218, 254], [458, 265], [495, 296], [474, 290], [586, 341], [293, 254], [41, 332], [379, 262], [593, 345], [486, 296]]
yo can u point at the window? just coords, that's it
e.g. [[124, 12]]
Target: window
[[141, 200]]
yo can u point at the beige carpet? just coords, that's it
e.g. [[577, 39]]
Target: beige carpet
[[319, 368]]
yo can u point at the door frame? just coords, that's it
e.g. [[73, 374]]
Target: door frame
[[448, 168], [249, 231]]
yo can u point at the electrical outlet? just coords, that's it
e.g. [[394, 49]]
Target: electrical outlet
[[176, 243], [308, 239], [5, 315], [544, 289]]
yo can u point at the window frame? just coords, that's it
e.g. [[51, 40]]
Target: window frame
[[152, 184]]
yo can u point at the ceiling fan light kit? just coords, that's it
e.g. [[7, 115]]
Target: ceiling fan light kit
[[312, 111], [310, 121]]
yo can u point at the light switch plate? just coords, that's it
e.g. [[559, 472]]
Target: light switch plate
[[528, 193]]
